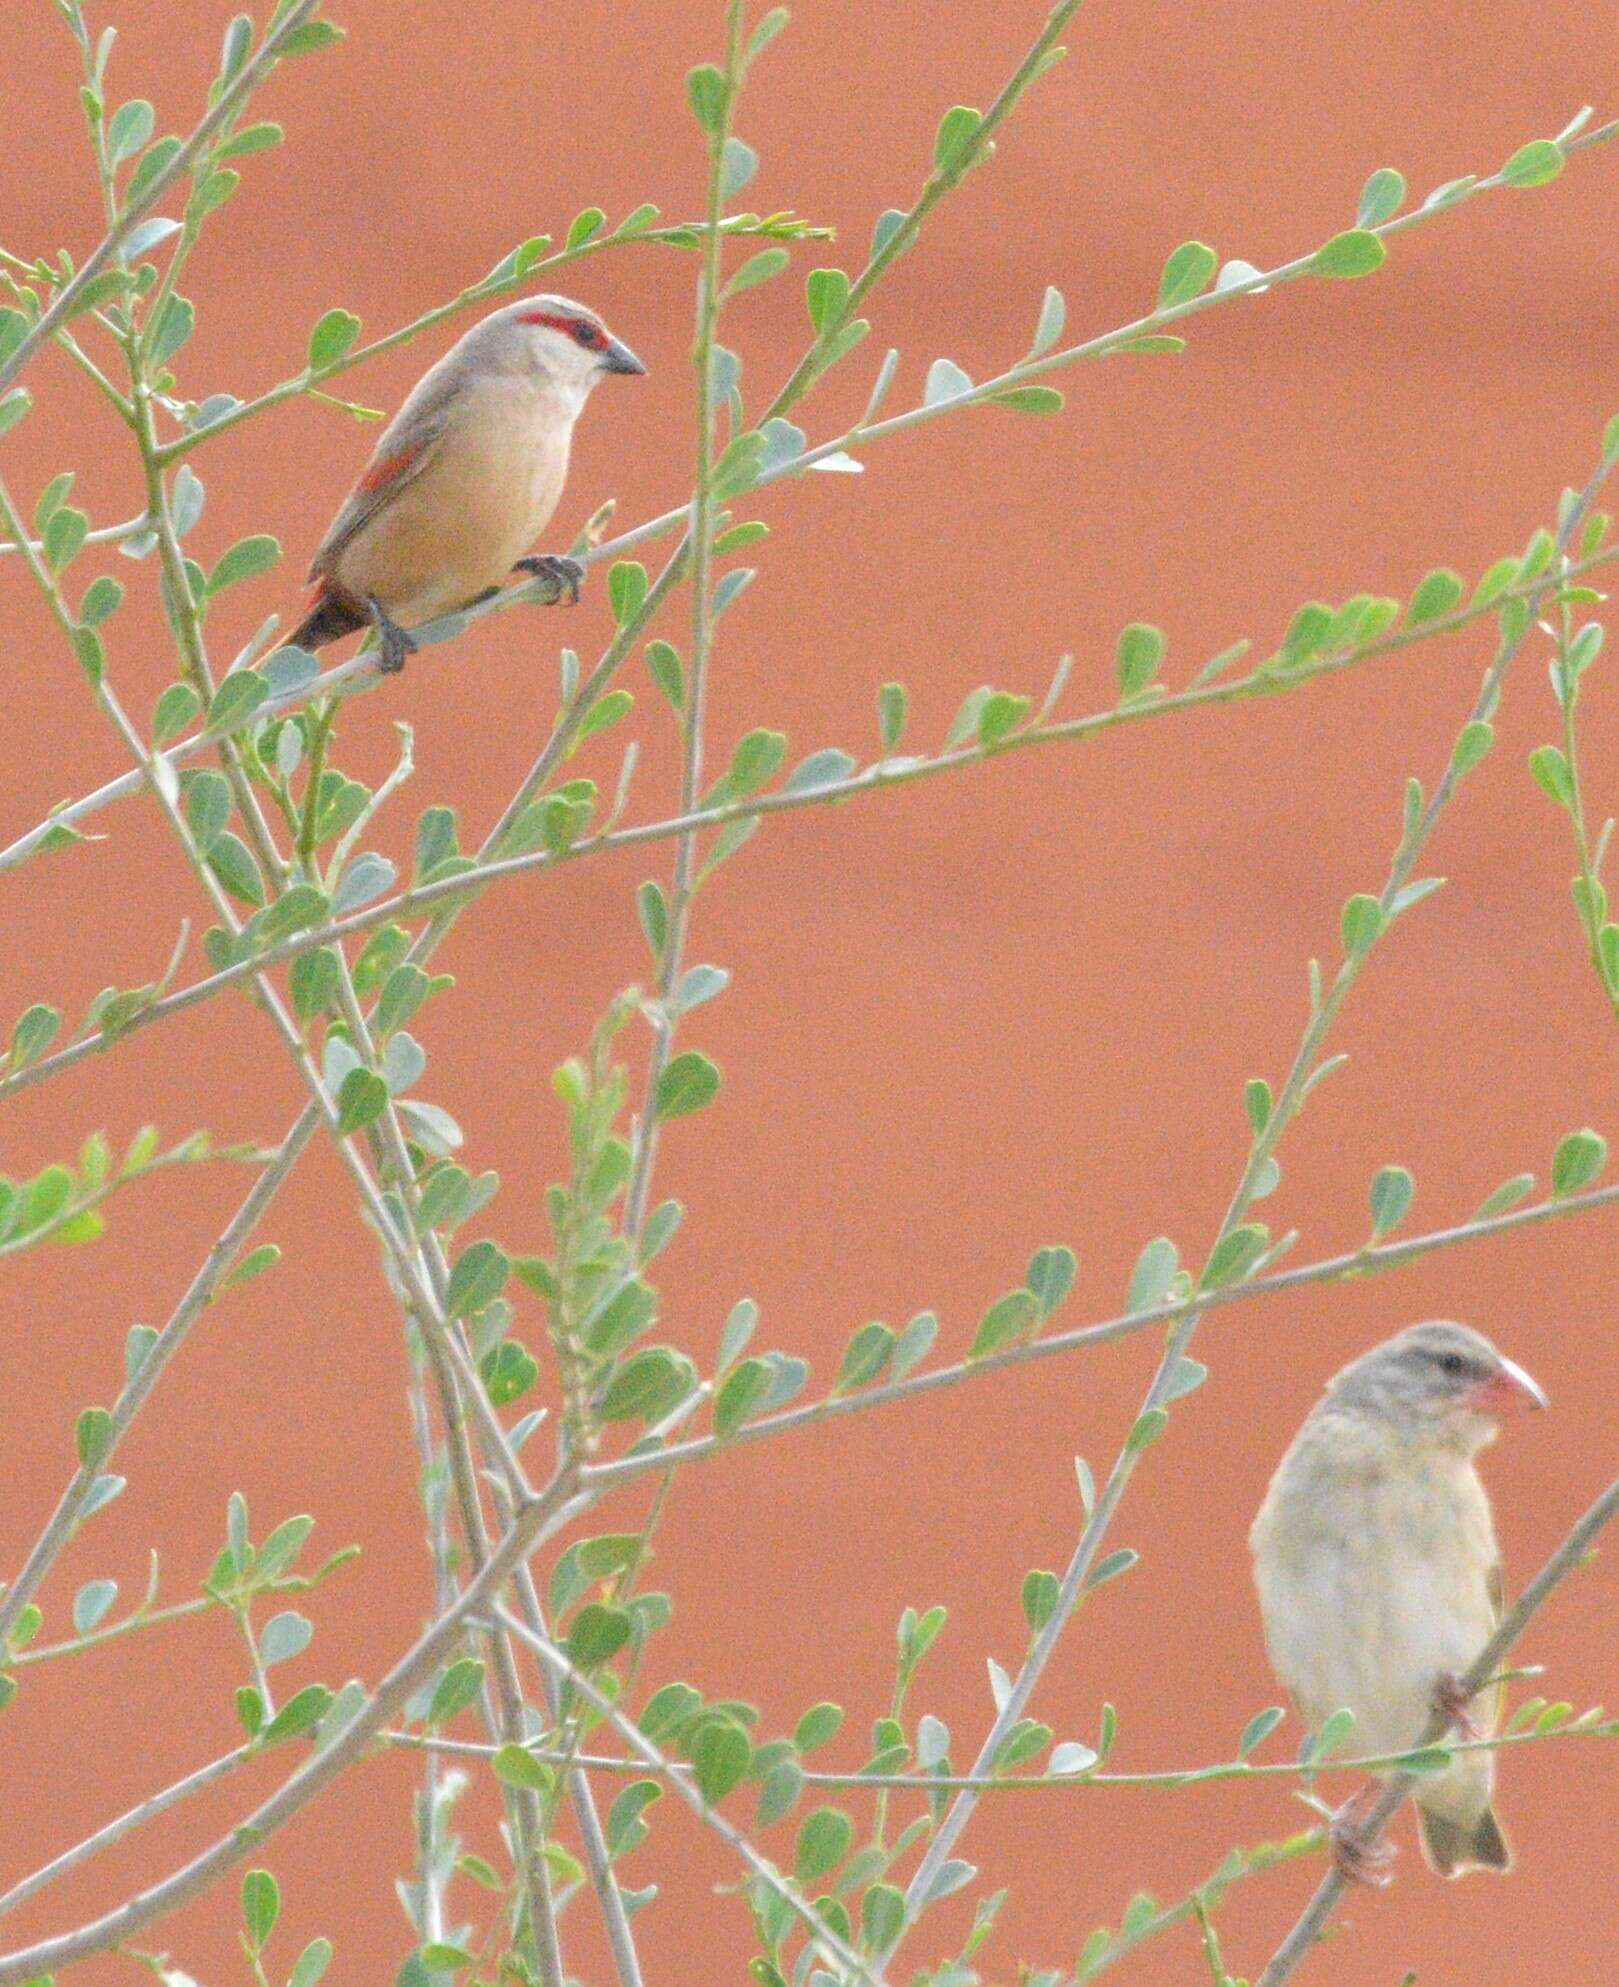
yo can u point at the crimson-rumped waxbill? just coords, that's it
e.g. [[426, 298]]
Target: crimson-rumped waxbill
[[466, 475], [1379, 1579]]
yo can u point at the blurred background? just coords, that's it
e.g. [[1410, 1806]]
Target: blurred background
[[1002, 1009]]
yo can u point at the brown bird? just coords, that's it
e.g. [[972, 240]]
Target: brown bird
[[1379, 1579], [465, 476]]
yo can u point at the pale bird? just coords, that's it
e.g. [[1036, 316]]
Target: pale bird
[[465, 478], [1379, 1578]]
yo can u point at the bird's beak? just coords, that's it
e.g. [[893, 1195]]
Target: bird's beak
[[1511, 1391], [618, 358]]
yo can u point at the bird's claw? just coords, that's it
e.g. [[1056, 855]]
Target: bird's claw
[[564, 574], [393, 643], [1451, 1703], [1354, 1858]]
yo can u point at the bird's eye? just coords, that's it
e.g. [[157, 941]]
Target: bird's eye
[[1452, 1363], [587, 334]]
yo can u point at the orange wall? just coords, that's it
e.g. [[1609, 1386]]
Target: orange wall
[[993, 1011]]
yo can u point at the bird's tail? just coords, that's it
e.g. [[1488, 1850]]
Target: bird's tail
[[1453, 1847], [331, 616]]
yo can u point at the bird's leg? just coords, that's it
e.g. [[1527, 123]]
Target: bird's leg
[[564, 574], [1451, 1703], [1353, 1857], [394, 643]]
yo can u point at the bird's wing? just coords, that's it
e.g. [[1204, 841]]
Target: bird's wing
[[402, 454]]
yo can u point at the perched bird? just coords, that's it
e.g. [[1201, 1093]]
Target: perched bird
[[1379, 1580], [466, 475]]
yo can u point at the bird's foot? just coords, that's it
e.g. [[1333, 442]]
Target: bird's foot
[[1354, 1858], [563, 574], [392, 640], [1452, 1704]]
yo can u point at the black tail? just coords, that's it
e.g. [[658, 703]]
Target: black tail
[[330, 618]]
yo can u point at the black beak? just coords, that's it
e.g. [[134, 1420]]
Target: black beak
[[618, 358]]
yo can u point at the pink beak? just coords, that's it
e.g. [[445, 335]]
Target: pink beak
[[1511, 1391]]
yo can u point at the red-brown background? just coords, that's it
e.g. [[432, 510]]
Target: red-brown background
[[1001, 1009]]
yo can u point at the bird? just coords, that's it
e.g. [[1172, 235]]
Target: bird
[[1379, 1579], [465, 476]]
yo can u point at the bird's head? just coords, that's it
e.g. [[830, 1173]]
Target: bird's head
[[1437, 1382], [564, 343]]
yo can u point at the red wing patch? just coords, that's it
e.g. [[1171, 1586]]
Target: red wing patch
[[387, 468]]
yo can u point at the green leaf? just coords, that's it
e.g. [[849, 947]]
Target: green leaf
[[1356, 252], [1041, 1591], [882, 1917], [626, 589], [892, 701], [261, 1906], [362, 1098], [1148, 1427], [128, 129], [1472, 743], [1258, 1729], [1508, 1194], [310, 38], [476, 1280], [1235, 1255], [1005, 1320], [585, 223], [1380, 198], [1030, 400], [823, 1842], [597, 1634], [91, 1604], [35, 1031], [720, 1758], [826, 296], [173, 328], [744, 1387], [756, 760], [1534, 164], [331, 338], [456, 1689], [515, 1766], [1552, 775], [865, 1356], [1138, 657], [760, 268], [663, 665], [1051, 1277], [251, 138], [914, 1344], [783, 1785], [706, 93], [1187, 274], [254, 1263], [688, 1083], [92, 1435], [819, 1724], [997, 716], [13, 407], [298, 1714], [1153, 1276], [957, 130], [245, 560], [625, 1828], [1115, 1563], [1437, 595], [1578, 1160], [1362, 924], [1392, 1188]]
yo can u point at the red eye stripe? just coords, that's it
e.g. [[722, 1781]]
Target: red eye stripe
[[581, 330]]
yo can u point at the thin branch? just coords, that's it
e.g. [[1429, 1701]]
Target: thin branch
[[1263, 681], [114, 1831], [681, 1779], [341, 1750], [65, 1518], [240, 87]]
